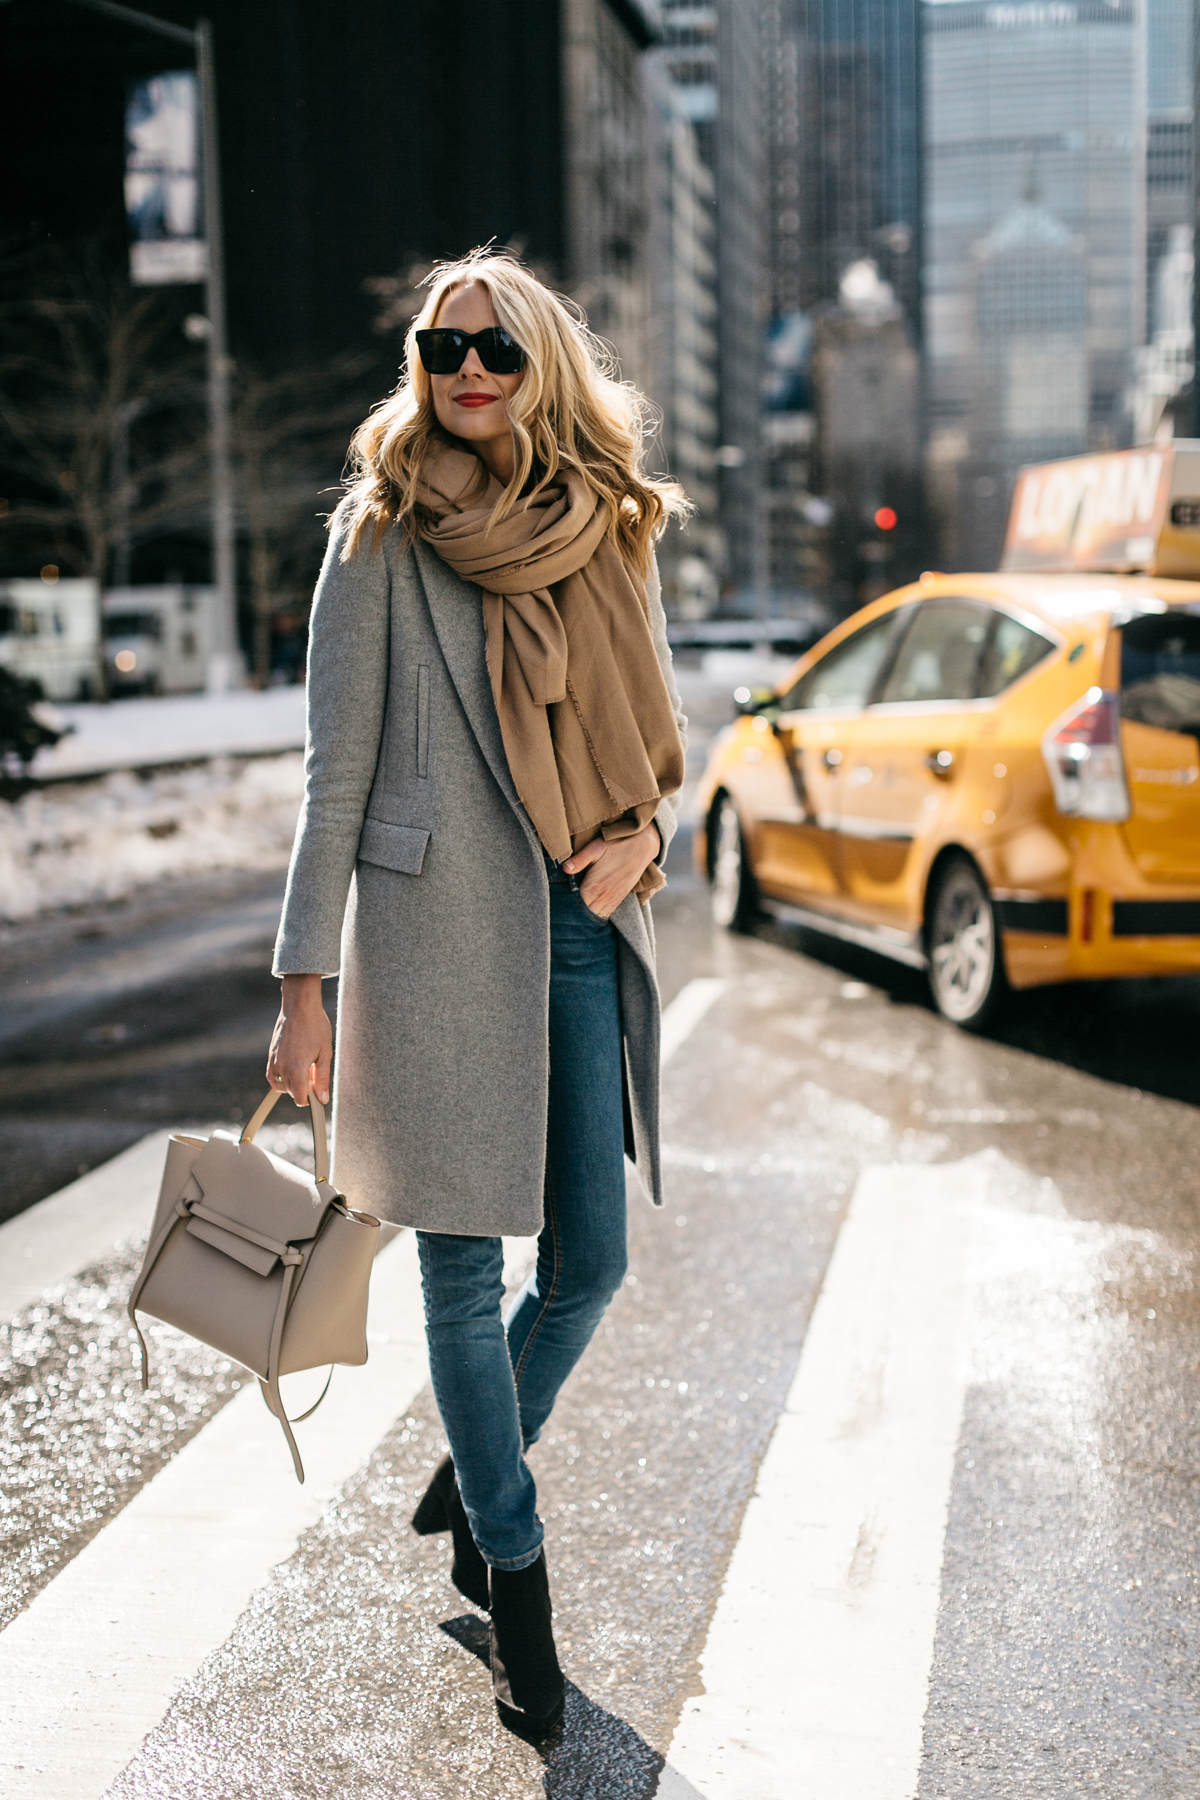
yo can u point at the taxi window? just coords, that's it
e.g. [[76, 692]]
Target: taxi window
[[846, 674], [1014, 648], [941, 653], [1160, 672]]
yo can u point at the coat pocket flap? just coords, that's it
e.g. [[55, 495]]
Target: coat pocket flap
[[261, 1261], [399, 847]]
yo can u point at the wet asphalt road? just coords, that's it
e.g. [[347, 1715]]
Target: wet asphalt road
[[1066, 1652], [118, 1020]]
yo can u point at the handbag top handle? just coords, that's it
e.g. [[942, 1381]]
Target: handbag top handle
[[320, 1146]]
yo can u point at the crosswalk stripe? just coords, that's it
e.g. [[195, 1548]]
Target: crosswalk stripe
[[686, 1010], [92, 1664], [816, 1669]]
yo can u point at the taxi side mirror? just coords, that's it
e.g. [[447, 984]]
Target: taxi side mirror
[[750, 701]]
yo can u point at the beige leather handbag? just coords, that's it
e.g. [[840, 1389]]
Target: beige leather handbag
[[260, 1260]]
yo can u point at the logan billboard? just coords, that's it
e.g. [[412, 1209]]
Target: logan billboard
[[1126, 511]]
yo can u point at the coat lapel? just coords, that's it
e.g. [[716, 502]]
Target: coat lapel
[[457, 614]]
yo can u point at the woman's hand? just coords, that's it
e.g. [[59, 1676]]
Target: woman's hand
[[302, 1042], [614, 868]]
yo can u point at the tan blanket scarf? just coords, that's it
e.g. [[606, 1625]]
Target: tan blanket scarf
[[588, 727]]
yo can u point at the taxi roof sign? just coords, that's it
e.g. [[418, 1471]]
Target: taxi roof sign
[[1118, 513]]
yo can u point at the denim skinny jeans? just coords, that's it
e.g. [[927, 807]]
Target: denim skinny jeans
[[495, 1381]]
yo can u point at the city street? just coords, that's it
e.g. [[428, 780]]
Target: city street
[[842, 358], [938, 1536]]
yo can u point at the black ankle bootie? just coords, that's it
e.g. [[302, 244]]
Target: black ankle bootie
[[526, 1680], [441, 1509]]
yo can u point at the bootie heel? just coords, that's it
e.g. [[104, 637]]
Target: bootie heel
[[441, 1509], [527, 1682]]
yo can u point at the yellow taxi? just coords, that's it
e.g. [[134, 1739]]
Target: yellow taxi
[[995, 778]]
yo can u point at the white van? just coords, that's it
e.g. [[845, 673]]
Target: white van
[[50, 632], [157, 639]]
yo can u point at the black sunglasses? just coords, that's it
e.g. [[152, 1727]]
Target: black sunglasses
[[443, 350]]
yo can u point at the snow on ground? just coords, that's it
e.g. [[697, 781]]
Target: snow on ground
[[131, 734], [80, 842], [99, 840], [74, 843]]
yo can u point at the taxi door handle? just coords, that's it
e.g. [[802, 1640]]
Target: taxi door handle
[[940, 763], [832, 760]]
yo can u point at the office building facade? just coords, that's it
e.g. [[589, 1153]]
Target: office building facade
[[1170, 110], [842, 108], [843, 104], [358, 143], [606, 143], [711, 54], [1035, 170], [683, 342], [1164, 391], [348, 148]]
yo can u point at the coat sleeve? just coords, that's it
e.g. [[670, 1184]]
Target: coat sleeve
[[347, 690], [667, 816]]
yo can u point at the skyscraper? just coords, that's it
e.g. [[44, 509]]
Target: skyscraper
[[1164, 393], [842, 109], [605, 144], [711, 53], [1170, 103], [683, 342], [1030, 402], [1035, 134], [845, 146]]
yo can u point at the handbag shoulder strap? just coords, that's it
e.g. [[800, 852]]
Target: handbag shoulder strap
[[270, 1387], [153, 1252]]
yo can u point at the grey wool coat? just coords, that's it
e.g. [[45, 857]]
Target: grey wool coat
[[417, 875]]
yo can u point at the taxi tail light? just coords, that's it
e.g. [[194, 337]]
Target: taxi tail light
[[1083, 754]]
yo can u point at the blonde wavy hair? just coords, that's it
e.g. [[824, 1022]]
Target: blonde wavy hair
[[569, 412]]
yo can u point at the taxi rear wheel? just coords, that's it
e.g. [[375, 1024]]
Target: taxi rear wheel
[[966, 962], [734, 901]]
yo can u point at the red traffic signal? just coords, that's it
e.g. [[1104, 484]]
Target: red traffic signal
[[885, 518]]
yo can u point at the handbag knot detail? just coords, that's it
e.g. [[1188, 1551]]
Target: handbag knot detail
[[261, 1261]]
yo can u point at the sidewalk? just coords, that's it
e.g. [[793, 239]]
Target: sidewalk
[[150, 732], [170, 787]]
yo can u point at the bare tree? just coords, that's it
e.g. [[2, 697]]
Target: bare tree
[[290, 431], [399, 297], [104, 440], [83, 355]]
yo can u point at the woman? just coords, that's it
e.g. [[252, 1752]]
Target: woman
[[494, 760]]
